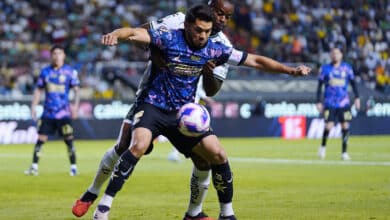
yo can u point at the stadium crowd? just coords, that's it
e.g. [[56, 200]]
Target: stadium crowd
[[292, 31]]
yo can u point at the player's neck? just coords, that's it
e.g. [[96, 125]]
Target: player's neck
[[56, 67], [214, 33], [336, 64]]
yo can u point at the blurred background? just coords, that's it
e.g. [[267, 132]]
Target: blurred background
[[250, 104]]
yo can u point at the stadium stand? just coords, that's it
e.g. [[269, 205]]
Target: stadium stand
[[291, 31]]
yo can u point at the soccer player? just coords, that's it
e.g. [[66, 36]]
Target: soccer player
[[173, 83], [336, 77], [56, 80], [201, 172]]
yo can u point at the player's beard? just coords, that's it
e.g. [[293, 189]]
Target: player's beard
[[195, 44], [217, 28]]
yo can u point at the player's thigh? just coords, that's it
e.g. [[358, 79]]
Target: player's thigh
[[65, 127], [141, 139], [211, 149], [46, 126], [148, 117], [184, 144]]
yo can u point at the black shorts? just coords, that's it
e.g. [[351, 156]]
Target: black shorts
[[337, 115], [130, 114], [162, 122], [48, 126]]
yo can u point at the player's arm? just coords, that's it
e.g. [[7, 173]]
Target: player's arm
[[272, 66], [35, 101], [211, 84], [76, 101], [138, 35], [356, 93], [319, 92]]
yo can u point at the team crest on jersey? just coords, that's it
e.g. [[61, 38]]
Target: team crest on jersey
[[343, 74], [138, 116], [62, 78]]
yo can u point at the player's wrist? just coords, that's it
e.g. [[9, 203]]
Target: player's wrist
[[291, 71]]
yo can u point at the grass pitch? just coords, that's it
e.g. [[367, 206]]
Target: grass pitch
[[273, 179]]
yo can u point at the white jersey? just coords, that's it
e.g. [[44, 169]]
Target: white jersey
[[176, 21]]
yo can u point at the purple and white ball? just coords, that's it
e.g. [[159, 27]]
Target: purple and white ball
[[193, 119]]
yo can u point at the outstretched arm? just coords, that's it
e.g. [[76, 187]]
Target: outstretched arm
[[138, 35], [269, 65]]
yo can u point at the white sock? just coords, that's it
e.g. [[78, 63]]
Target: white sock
[[175, 151], [104, 172], [73, 166], [106, 200], [226, 209], [200, 181], [34, 166]]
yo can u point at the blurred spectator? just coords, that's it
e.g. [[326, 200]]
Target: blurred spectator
[[292, 31]]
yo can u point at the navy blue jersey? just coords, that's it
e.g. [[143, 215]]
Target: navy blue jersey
[[173, 83], [57, 84], [336, 80]]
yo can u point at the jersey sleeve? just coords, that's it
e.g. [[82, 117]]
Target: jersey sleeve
[[237, 57], [160, 37], [231, 56], [41, 83], [321, 75], [351, 74], [74, 79], [220, 72], [174, 21]]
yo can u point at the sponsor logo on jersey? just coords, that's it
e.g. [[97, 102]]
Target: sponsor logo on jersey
[[195, 58]]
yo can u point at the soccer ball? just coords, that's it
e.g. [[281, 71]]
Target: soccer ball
[[193, 120]]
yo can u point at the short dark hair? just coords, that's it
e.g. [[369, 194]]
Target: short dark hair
[[56, 46], [213, 2], [201, 11]]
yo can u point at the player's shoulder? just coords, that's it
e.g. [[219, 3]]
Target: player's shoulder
[[163, 30], [68, 68], [345, 64], [221, 38], [326, 67], [46, 69], [173, 21], [179, 16]]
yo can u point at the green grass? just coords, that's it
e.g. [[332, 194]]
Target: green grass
[[273, 179]]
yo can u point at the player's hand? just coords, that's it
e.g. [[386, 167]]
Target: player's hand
[[357, 103], [109, 39], [319, 107], [301, 70], [208, 68]]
